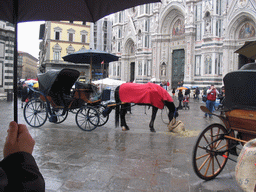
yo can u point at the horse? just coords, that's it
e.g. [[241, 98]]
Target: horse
[[142, 94]]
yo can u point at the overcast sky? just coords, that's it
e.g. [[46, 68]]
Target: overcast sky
[[28, 37]]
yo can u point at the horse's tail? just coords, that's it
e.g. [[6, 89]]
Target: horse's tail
[[117, 113]]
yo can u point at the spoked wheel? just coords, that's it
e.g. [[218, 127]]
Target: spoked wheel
[[210, 152], [87, 118], [35, 113], [60, 114], [164, 115], [102, 120]]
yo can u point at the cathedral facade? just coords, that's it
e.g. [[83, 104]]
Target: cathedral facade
[[182, 40]]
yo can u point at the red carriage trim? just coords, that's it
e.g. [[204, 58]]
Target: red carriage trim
[[149, 93]]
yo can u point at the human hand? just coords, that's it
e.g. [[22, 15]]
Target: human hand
[[18, 139]]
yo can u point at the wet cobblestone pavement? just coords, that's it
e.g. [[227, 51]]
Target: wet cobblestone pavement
[[108, 159]]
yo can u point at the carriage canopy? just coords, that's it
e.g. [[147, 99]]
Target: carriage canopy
[[240, 88], [57, 80]]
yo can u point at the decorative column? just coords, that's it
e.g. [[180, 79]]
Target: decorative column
[[190, 43]]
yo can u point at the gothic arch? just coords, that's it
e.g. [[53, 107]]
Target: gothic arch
[[168, 17], [235, 25], [129, 47]]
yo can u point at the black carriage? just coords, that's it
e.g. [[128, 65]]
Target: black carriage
[[57, 96], [218, 141]]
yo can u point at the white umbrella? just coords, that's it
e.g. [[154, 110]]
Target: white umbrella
[[108, 81], [31, 81]]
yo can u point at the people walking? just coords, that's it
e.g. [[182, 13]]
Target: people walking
[[211, 97]]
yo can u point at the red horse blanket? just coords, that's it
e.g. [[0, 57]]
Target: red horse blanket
[[149, 93]]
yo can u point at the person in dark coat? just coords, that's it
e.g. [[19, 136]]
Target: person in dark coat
[[18, 169], [180, 98]]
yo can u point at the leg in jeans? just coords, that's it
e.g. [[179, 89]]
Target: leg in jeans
[[208, 106], [211, 106]]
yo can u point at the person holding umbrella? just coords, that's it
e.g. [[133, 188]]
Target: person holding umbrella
[[18, 169]]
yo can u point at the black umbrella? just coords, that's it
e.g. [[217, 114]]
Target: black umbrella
[[90, 56], [248, 50], [16, 11]]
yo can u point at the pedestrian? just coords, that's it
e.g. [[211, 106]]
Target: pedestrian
[[197, 92], [211, 97], [18, 169], [173, 92], [186, 101], [180, 98], [165, 85], [181, 83], [168, 84], [24, 94], [178, 85]]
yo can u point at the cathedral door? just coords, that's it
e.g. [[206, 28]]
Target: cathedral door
[[178, 62], [132, 71]]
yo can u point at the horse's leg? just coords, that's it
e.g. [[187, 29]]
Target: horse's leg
[[122, 117], [153, 117]]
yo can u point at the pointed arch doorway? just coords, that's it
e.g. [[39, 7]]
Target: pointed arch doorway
[[130, 50]]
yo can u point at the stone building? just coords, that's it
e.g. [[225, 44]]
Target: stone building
[[60, 38], [100, 39], [7, 36], [27, 66], [182, 40]]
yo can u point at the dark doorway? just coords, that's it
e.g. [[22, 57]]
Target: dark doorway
[[178, 62], [242, 60], [132, 70]]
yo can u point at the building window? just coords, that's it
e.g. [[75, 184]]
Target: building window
[[218, 28], [56, 55], [198, 32], [57, 33], [149, 67], [70, 49], [84, 35], [70, 37], [120, 18], [119, 47], [147, 8], [71, 34], [140, 68], [146, 28], [198, 65], [56, 52], [208, 65], [118, 69], [219, 62], [218, 7], [146, 41]]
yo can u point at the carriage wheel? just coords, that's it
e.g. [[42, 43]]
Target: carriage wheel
[[59, 114], [102, 120], [35, 113], [87, 118], [164, 115], [206, 163]]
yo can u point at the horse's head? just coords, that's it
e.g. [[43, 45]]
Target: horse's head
[[173, 111]]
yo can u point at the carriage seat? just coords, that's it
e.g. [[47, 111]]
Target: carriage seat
[[240, 89]]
